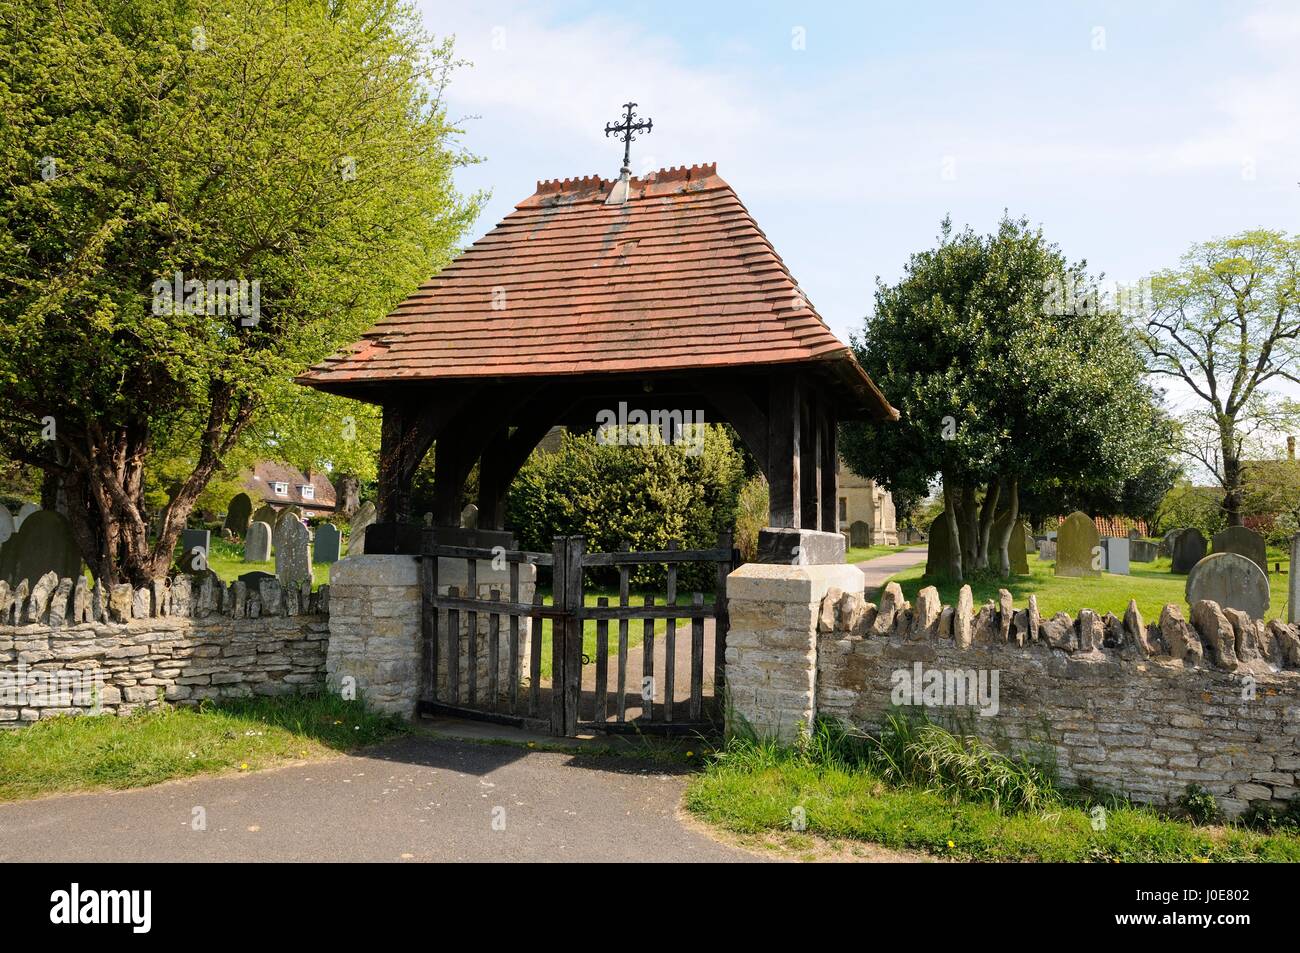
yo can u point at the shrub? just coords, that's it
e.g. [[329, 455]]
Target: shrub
[[752, 513], [1199, 804], [645, 496]]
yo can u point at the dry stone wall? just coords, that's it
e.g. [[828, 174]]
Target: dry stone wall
[[67, 647], [1143, 709]]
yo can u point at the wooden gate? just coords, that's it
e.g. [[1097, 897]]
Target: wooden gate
[[495, 651]]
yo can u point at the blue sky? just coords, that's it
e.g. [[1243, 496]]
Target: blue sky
[[1129, 131]]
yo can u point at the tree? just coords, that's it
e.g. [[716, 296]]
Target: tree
[[152, 147], [1225, 324], [1003, 382]]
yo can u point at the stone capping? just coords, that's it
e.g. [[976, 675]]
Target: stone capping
[[64, 602], [1226, 639]]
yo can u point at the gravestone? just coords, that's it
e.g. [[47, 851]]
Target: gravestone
[[1244, 542], [1188, 550], [192, 539], [44, 543], [1077, 546], [1142, 551], [289, 512], [938, 550], [1167, 542], [859, 534], [266, 513], [1018, 548], [469, 517], [1231, 580], [1134, 534], [1115, 550], [239, 513], [1047, 550], [24, 511], [257, 544], [7, 527], [293, 553], [328, 539], [361, 520]]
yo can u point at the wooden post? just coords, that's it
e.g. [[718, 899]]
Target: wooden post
[[830, 472], [575, 545], [810, 459], [783, 451], [559, 630]]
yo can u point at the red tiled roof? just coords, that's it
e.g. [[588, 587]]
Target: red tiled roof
[[1115, 525], [678, 277], [267, 472]]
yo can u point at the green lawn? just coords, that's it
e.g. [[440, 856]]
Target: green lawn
[[1151, 584], [89, 752], [752, 789], [863, 553]]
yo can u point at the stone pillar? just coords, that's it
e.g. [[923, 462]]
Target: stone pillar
[[375, 630], [1293, 582], [772, 644]]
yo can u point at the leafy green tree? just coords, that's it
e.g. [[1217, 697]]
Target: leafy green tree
[[297, 144], [1225, 324], [646, 495], [1006, 379]]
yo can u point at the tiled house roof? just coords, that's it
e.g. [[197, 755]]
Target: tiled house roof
[[1115, 525], [260, 485], [680, 276]]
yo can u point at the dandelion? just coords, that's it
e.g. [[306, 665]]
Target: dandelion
[[951, 845], [243, 766]]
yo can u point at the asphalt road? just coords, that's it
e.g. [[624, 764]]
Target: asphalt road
[[419, 798]]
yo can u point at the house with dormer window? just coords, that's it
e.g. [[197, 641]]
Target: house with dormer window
[[281, 485]]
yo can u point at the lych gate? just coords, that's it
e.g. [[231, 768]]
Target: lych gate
[[668, 299]]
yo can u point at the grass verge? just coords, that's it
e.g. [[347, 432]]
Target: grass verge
[[86, 753], [1151, 584], [916, 790]]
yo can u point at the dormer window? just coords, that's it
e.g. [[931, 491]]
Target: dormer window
[[281, 489], [308, 491]]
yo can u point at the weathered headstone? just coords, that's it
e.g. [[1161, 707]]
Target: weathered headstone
[[266, 513], [239, 513], [289, 512], [1244, 542], [43, 544], [1142, 551], [1188, 550], [1017, 548], [293, 553], [361, 520], [24, 511], [1166, 547], [257, 544], [859, 534], [1078, 547], [192, 540], [1231, 580], [1115, 549], [1134, 534], [328, 539], [938, 549], [7, 527], [469, 517]]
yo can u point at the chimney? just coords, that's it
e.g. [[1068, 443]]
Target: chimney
[[1290, 448]]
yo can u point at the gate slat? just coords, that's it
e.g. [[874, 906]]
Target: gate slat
[[513, 667], [494, 655], [648, 665], [602, 665], [621, 712], [453, 649], [471, 590], [429, 626], [697, 657], [535, 656], [670, 642]]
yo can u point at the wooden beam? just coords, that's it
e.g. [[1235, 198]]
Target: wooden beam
[[810, 460], [783, 450], [830, 470]]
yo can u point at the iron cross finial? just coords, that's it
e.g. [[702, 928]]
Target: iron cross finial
[[629, 127]]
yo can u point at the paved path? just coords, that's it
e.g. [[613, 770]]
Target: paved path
[[879, 570], [416, 799]]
